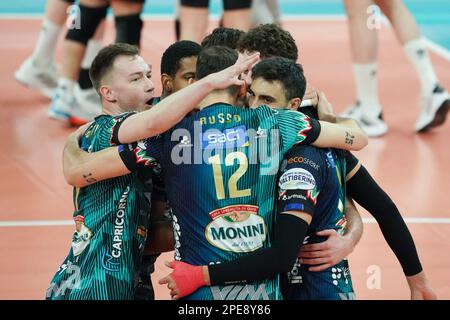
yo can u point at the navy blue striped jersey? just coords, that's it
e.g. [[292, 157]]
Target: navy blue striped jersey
[[312, 180]]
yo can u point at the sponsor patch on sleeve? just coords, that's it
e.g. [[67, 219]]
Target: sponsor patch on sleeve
[[297, 178]]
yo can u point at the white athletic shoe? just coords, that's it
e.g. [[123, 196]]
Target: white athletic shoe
[[373, 126], [371, 122], [87, 107], [62, 106], [354, 111], [434, 109], [34, 77]]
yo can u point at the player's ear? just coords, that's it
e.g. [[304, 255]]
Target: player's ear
[[242, 90], [294, 103], [167, 83], [108, 94], [191, 80]]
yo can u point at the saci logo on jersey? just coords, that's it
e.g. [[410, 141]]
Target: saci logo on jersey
[[229, 138], [81, 237], [236, 228], [297, 178]]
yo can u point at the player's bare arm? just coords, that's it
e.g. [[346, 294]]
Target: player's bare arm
[[338, 132], [174, 108], [82, 168]]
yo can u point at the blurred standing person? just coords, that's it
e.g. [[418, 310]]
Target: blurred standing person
[[194, 17], [39, 70], [435, 100], [265, 11]]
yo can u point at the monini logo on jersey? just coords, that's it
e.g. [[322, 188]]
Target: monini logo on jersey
[[236, 228]]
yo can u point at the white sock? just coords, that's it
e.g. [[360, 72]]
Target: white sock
[[66, 86], [45, 47], [93, 47], [418, 55], [367, 88]]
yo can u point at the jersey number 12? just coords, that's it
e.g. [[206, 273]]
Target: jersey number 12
[[232, 182]]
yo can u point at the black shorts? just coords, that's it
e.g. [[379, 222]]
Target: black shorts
[[227, 4]]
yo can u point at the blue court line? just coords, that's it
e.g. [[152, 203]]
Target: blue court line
[[433, 16]]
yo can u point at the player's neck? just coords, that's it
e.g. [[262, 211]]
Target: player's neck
[[112, 109], [164, 94], [217, 97]]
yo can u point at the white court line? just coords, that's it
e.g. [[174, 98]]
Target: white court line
[[57, 223], [415, 220], [430, 44], [37, 223], [438, 49]]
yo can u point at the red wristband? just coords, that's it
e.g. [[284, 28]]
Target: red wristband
[[188, 278]]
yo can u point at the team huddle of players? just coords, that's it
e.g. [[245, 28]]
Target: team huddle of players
[[252, 190]]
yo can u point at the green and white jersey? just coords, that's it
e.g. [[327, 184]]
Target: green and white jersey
[[111, 219], [220, 167]]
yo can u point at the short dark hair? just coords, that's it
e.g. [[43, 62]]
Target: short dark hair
[[269, 40], [105, 59], [171, 58], [286, 71], [214, 59], [221, 36]]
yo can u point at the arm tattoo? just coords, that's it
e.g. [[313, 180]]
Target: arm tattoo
[[89, 179], [349, 138]]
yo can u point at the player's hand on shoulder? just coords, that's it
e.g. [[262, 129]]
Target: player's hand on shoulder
[[325, 109], [311, 97], [323, 255]]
